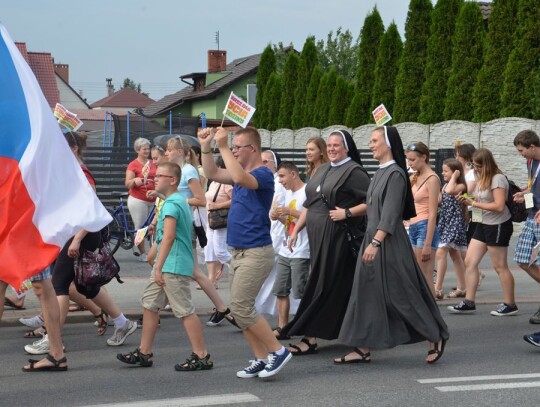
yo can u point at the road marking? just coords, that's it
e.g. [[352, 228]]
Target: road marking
[[493, 386], [479, 378], [218, 399]]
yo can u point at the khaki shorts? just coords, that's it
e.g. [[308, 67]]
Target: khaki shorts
[[176, 292], [249, 270]]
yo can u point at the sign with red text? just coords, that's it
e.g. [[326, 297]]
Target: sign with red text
[[381, 115], [238, 111]]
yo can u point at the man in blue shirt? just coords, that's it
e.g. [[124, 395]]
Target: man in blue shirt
[[248, 233]]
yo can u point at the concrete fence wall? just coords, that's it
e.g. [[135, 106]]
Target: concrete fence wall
[[497, 135]]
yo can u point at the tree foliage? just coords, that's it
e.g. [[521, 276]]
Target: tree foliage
[[281, 52], [129, 83], [413, 60], [370, 38], [341, 98], [386, 69], [311, 97], [272, 102], [288, 89], [324, 97], [341, 51], [467, 55], [522, 64], [438, 61], [308, 61], [267, 65], [488, 87]]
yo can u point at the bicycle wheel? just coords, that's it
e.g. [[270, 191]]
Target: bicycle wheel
[[115, 232]]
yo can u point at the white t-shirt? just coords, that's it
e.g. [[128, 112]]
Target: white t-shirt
[[295, 200], [276, 227]]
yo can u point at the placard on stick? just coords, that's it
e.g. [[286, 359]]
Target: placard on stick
[[381, 115]]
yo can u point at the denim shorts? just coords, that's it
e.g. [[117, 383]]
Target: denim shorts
[[418, 232]]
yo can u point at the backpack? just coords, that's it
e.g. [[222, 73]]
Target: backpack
[[517, 210]]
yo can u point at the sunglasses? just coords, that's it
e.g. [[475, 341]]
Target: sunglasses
[[411, 147]]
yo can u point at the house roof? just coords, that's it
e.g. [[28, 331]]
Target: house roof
[[237, 69], [125, 97], [485, 8], [73, 90], [42, 65]]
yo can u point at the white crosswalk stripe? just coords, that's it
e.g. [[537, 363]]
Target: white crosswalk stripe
[[500, 385], [213, 400]]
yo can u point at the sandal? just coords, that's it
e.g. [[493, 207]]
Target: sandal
[[194, 362], [456, 293], [437, 351], [280, 335], [439, 295], [136, 358], [364, 358], [54, 368], [102, 319], [35, 333], [9, 303], [312, 348], [74, 307]]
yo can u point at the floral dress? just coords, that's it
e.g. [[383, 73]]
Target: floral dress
[[451, 223]]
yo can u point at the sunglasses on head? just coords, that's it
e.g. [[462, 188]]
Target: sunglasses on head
[[411, 147]]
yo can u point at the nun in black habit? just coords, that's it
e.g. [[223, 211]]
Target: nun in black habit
[[335, 207], [391, 302]]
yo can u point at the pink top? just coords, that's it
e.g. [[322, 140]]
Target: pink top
[[421, 201]]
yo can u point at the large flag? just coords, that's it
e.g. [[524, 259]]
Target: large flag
[[44, 196]]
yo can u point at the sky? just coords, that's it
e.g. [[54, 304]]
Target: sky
[[153, 42]]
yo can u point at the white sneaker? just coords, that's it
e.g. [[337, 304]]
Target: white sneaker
[[143, 258], [120, 334], [32, 322], [39, 347]]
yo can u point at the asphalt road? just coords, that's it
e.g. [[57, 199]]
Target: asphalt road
[[480, 345]]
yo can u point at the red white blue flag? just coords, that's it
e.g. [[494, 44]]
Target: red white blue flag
[[44, 196]]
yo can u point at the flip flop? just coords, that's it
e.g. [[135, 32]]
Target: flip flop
[[9, 303]]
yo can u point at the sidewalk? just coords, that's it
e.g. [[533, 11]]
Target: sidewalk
[[135, 276]]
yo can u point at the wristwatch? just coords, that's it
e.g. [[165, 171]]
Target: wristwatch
[[375, 243], [348, 213]]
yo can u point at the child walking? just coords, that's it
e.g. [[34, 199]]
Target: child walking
[[171, 276], [452, 235]]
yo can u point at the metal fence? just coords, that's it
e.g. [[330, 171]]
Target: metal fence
[[109, 164]]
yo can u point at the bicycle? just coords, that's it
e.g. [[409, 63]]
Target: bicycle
[[120, 234]]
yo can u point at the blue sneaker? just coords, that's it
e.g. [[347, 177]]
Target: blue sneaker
[[275, 363], [252, 370], [533, 339]]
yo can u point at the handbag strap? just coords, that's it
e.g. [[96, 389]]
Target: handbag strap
[[217, 192]]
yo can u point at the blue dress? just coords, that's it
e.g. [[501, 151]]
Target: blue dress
[[451, 223]]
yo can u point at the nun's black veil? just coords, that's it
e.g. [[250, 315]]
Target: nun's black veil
[[396, 145], [353, 151]]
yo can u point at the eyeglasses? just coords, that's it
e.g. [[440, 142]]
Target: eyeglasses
[[238, 148], [411, 147], [158, 176]]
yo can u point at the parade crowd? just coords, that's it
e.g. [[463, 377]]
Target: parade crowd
[[333, 253]]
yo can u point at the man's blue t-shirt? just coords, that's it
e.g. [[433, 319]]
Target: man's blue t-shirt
[[248, 225], [180, 258]]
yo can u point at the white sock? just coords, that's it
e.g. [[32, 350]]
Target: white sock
[[281, 351], [120, 321], [262, 360]]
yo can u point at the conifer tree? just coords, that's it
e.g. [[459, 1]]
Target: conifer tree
[[467, 54], [523, 63], [267, 65], [308, 61], [272, 102], [386, 69], [288, 89], [413, 60], [340, 101], [370, 38], [488, 87], [439, 61], [311, 97], [324, 97]]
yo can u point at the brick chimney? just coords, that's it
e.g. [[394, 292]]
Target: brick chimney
[[217, 61], [62, 70], [110, 86]]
